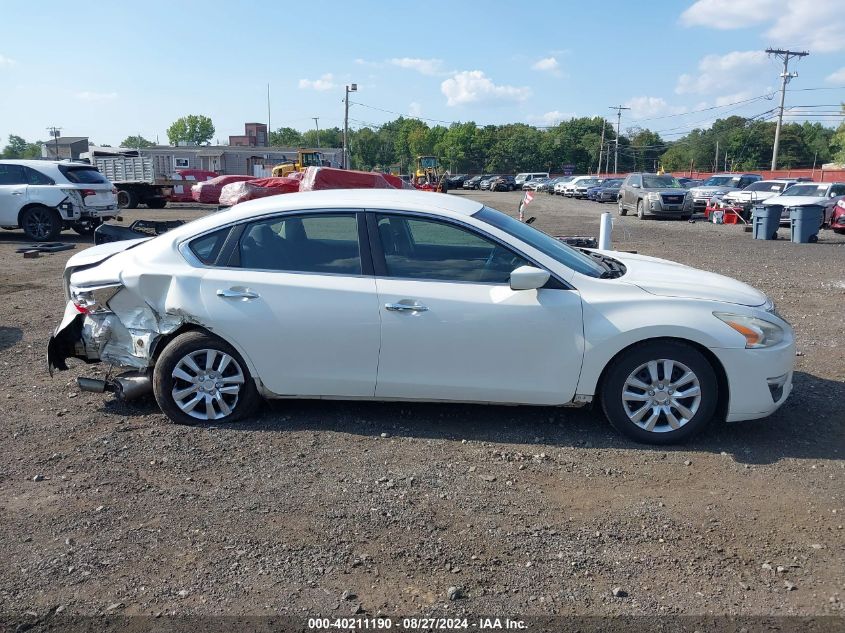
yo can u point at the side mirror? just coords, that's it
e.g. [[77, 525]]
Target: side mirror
[[635, 186], [529, 278]]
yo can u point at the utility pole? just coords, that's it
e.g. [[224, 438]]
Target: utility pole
[[785, 77], [267, 143], [716, 160], [349, 88], [317, 124], [55, 132], [618, 109], [601, 146]]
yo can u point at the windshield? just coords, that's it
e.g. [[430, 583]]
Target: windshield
[[660, 182], [719, 181], [544, 243], [814, 191], [765, 186], [611, 183], [590, 182]]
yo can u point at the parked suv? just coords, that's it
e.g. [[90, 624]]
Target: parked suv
[[654, 194], [43, 197], [718, 185], [527, 177], [503, 183]]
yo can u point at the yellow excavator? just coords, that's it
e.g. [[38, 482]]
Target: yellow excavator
[[427, 170], [304, 158]]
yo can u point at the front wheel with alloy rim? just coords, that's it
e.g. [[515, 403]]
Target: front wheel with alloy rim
[[640, 210], [200, 378], [660, 392], [622, 209], [41, 224]]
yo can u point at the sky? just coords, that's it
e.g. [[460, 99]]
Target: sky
[[108, 70]]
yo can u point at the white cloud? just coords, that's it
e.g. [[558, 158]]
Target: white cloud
[[547, 64], [720, 74], [95, 96], [836, 78], [7, 62], [645, 107], [730, 14], [724, 100], [325, 82], [414, 109], [365, 62], [551, 118], [473, 86], [816, 25], [424, 66]]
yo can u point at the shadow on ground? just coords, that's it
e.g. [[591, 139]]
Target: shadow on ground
[[9, 336], [811, 425]]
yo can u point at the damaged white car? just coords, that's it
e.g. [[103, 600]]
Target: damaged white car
[[398, 295]]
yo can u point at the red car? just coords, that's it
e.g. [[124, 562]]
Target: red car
[[837, 220]]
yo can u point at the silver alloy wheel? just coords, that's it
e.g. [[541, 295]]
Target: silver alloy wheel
[[38, 223], [661, 395], [206, 384]]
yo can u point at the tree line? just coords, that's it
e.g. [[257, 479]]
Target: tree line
[[733, 143]]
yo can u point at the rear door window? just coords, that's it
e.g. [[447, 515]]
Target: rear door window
[[35, 177], [12, 175], [318, 243]]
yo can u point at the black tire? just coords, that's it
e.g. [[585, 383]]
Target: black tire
[[156, 203], [41, 224], [775, 235], [622, 209], [244, 403], [614, 383], [687, 217], [640, 210], [127, 199]]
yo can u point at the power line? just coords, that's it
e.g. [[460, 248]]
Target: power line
[[785, 78]]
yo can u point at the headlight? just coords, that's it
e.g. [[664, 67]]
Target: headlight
[[654, 196], [757, 332], [94, 299]]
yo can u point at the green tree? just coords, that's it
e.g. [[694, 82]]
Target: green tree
[[194, 128], [837, 142], [330, 137], [286, 137], [137, 141], [18, 147]]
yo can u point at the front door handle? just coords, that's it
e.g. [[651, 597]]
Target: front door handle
[[231, 293], [405, 307], [17, 193]]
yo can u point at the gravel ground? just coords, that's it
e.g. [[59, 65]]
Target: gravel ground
[[331, 508]]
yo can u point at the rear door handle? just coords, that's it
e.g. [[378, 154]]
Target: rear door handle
[[405, 307], [17, 193], [231, 293]]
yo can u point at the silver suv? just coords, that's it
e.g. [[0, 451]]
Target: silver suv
[[43, 197], [654, 194], [718, 185]]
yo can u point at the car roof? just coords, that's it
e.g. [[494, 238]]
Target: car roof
[[335, 199]]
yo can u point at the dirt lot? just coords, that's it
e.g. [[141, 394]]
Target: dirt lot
[[108, 508]]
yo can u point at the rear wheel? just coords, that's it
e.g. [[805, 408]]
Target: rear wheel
[[127, 199], [200, 378], [660, 392], [41, 224]]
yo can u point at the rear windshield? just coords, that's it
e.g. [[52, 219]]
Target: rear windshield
[[720, 181], [83, 175]]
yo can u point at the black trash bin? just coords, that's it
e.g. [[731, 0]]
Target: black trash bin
[[766, 222], [804, 223]]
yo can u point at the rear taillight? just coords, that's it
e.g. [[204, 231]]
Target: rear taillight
[[88, 192], [94, 300], [114, 190]]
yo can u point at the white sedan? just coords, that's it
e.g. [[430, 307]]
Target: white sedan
[[412, 296]]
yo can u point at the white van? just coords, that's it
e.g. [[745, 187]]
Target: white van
[[521, 179]]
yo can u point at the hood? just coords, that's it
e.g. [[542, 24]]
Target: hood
[[796, 201], [669, 279], [752, 196], [101, 252]]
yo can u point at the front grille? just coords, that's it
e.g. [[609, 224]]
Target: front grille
[[673, 199]]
